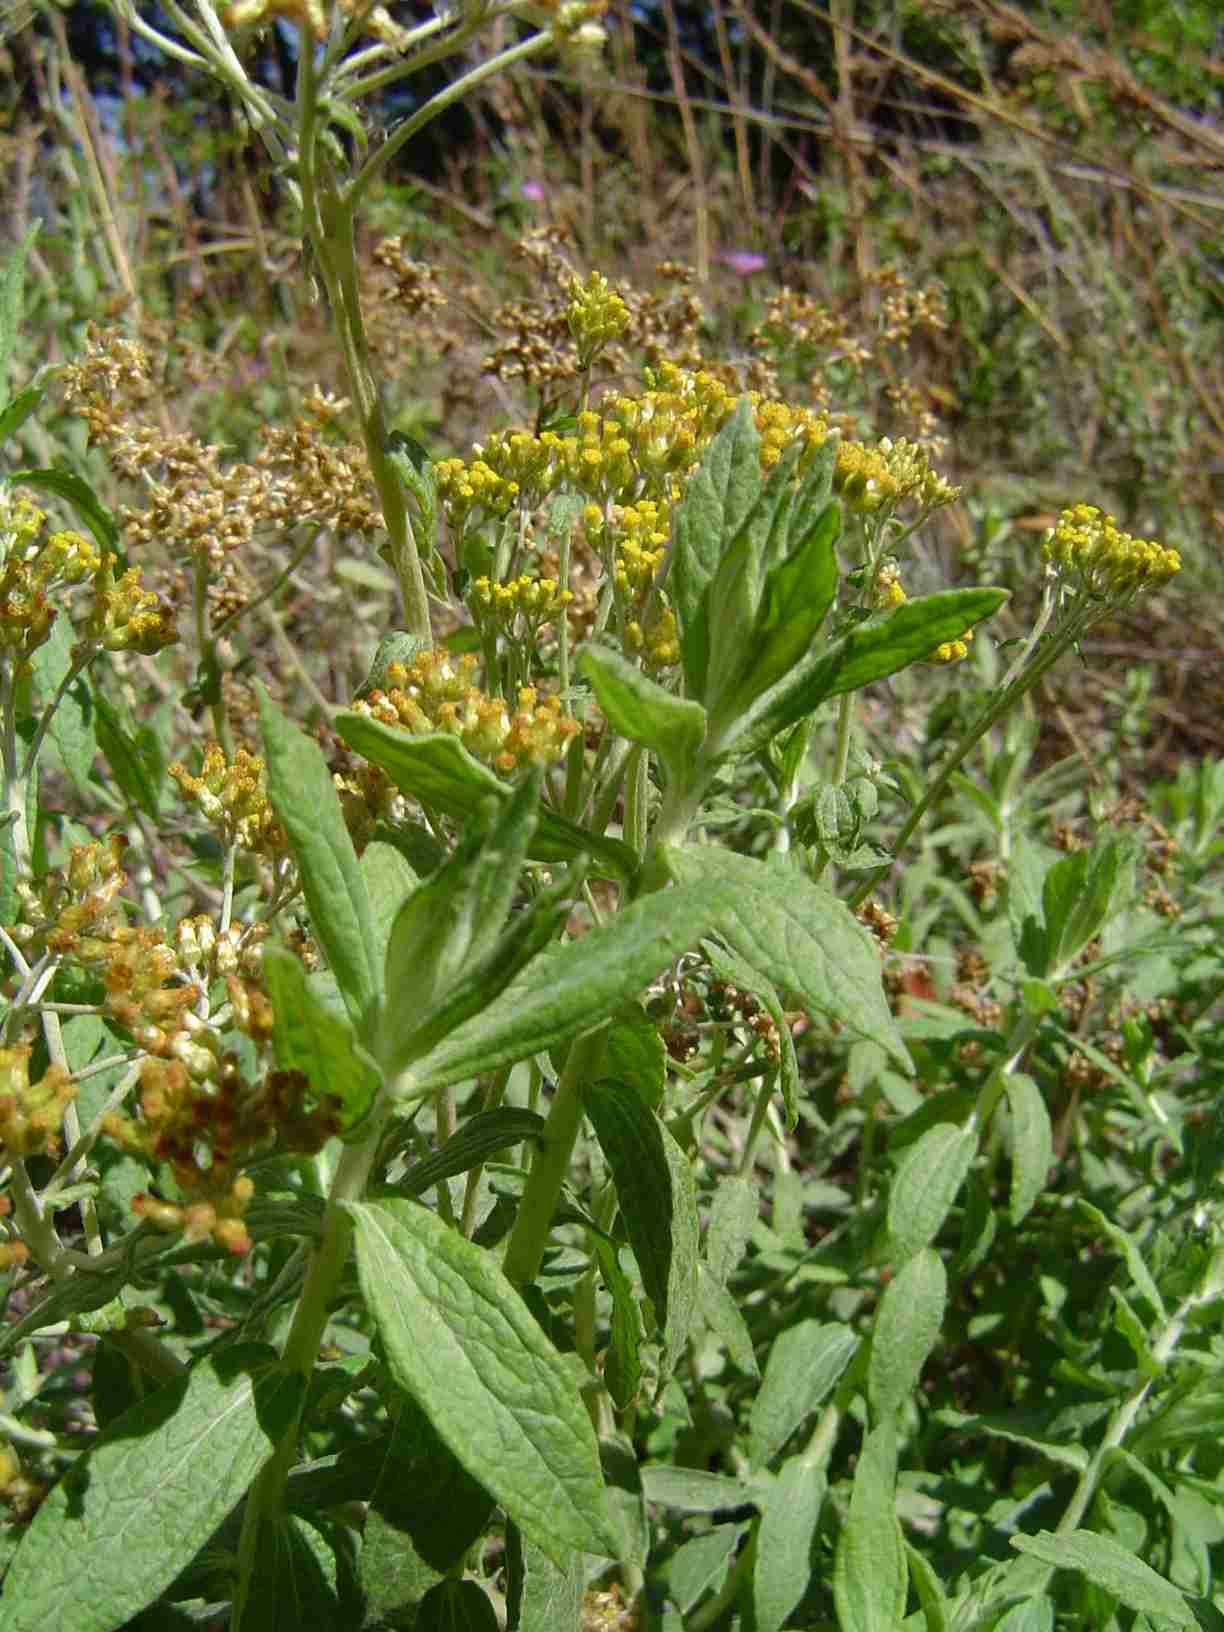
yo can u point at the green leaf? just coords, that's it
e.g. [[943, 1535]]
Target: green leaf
[[389, 879], [733, 1216], [15, 414], [796, 599], [925, 1186], [309, 1037], [455, 1606], [658, 1205], [72, 724], [936, 1610], [783, 1568], [805, 1362], [623, 1361], [1026, 915], [541, 1596], [692, 1490], [447, 927], [473, 991], [294, 1583], [134, 1511], [642, 710], [799, 936], [998, 1427], [1032, 1143], [700, 1565], [304, 798], [906, 1328], [464, 1345], [439, 771], [634, 1053], [719, 496], [135, 758], [482, 1136], [1080, 892], [869, 652], [722, 1315], [76, 492], [572, 988], [1111, 1567], [12, 300], [426, 1494], [869, 1574], [729, 966]]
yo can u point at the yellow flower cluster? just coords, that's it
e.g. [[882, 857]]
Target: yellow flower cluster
[[74, 907], [596, 316], [889, 590], [535, 600], [438, 693], [1092, 553], [233, 797], [128, 618], [780, 424], [880, 478], [31, 1112], [36, 563]]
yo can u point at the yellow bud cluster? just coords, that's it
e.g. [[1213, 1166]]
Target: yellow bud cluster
[[659, 643], [536, 600], [75, 905], [464, 488], [596, 316], [438, 693], [1092, 553], [31, 1112], [880, 478], [953, 651], [232, 796], [779, 424]]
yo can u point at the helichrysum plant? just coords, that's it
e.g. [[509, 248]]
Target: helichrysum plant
[[418, 1098]]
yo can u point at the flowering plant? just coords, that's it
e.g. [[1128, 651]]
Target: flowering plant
[[433, 1063]]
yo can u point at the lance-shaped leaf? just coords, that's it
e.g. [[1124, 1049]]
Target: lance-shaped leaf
[[460, 1340], [870, 1575], [134, 1511], [310, 1037], [658, 1204], [869, 652], [306, 804], [906, 1328], [642, 710], [783, 1569], [1113, 1568], [716, 502], [1080, 892], [573, 988], [799, 936], [439, 771], [76, 492]]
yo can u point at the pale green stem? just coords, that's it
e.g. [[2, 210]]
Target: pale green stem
[[637, 784], [529, 1238], [305, 1334], [381, 157], [1000, 704]]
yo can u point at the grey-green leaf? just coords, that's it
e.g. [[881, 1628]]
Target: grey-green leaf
[[870, 1577], [642, 710], [804, 1364], [572, 988], [658, 1203], [783, 1568], [799, 936], [541, 1596], [462, 1342], [925, 1186], [311, 1038], [733, 1216], [439, 771], [307, 805], [906, 1327], [1032, 1143], [133, 1512], [390, 880], [1109, 1564]]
